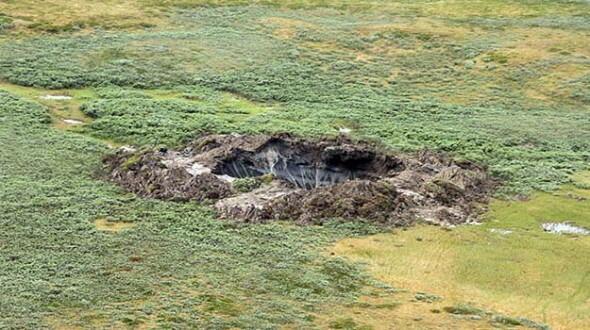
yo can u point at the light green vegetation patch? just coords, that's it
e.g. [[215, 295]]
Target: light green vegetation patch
[[165, 117]]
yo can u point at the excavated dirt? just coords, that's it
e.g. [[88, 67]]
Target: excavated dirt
[[307, 181]]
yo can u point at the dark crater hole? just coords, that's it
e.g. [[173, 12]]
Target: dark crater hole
[[306, 167]]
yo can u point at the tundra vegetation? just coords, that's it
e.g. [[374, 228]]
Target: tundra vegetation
[[501, 83]]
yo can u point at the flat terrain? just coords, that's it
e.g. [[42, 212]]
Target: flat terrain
[[502, 83], [507, 264]]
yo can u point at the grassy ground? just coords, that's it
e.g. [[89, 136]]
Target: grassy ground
[[60, 16], [78, 252], [467, 86], [526, 272], [501, 82]]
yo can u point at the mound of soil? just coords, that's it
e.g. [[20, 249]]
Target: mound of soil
[[307, 181]]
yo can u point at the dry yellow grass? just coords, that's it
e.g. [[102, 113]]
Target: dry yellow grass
[[445, 9], [368, 313], [547, 88], [421, 25], [432, 267], [112, 226], [524, 273], [523, 47], [530, 45], [116, 14], [284, 28]]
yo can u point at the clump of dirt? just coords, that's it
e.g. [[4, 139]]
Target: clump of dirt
[[310, 180], [160, 175]]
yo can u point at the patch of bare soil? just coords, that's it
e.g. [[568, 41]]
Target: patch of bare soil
[[310, 180]]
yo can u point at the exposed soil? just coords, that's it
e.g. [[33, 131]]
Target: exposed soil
[[308, 181]]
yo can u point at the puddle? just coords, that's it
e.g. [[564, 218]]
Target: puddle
[[112, 226], [72, 121], [564, 228], [56, 97]]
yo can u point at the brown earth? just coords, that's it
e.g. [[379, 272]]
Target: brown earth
[[310, 180]]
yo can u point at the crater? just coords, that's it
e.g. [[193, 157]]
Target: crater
[[304, 167], [280, 177]]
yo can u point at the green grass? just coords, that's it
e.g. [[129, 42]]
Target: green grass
[[177, 266], [455, 87], [26, 17], [525, 272], [500, 82], [455, 8]]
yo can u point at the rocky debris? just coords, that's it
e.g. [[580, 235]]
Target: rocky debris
[[151, 175], [311, 180], [576, 197], [253, 205], [365, 199]]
